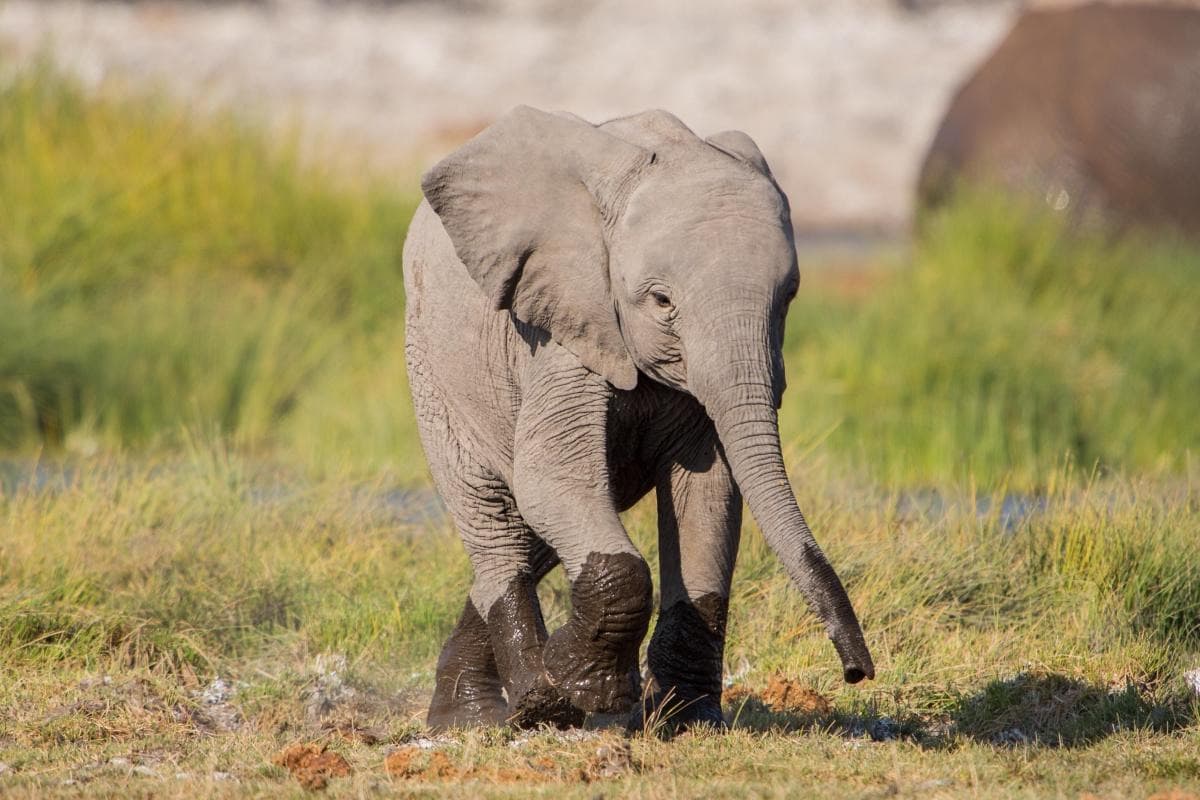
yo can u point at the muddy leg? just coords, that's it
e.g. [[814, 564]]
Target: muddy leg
[[467, 685], [479, 664], [561, 485], [518, 636], [699, 517]]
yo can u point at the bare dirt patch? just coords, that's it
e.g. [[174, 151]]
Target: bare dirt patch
[[610, 759]]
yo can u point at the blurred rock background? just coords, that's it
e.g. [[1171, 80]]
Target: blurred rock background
[[842, 97]]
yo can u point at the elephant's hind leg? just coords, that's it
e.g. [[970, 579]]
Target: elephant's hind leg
[[467, 687], [498, 643]]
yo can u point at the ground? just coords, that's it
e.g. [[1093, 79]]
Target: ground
[[177, 627]]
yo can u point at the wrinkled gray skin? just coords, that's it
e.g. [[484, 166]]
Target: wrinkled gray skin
[[595, 312], [1093, 109]]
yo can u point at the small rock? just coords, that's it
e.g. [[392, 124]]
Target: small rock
[[610, 761], [4, 768], [223, 776], [425, 743], [217, 692], [1193, 681], [120, 763], [145, 771]]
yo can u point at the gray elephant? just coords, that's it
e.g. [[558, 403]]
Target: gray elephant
[[1093, 109], [595, 312]]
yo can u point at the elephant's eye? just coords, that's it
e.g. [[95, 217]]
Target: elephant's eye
[[661, 300]]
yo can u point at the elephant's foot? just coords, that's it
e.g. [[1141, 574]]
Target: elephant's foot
[[467, 687], [685, 659], [542, 704], [592, 659], [518, 636]]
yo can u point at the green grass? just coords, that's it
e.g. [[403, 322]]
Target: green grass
[[998, 648], [201, 336], [1010, 347], [160, 272]]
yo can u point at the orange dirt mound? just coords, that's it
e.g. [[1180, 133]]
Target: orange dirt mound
[[312, 764], [789, 696], [784, 696]]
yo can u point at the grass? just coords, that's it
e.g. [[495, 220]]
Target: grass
[[1045, 657], [160, 272], [205, 557], [1008, 348]]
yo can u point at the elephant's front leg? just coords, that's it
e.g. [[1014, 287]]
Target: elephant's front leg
[[561, 484], [699, 519]]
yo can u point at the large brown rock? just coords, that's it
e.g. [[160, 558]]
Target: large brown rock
[[1093, 109]]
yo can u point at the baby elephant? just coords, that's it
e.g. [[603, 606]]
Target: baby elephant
[[595, 312]]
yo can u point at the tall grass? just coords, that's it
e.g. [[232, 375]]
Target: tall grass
[[160, 271], [1010, 347]]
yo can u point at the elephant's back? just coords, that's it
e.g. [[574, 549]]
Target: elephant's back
[[1101, 99]]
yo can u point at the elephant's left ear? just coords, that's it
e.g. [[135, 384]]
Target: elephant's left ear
[[740, 146], [527, 204]]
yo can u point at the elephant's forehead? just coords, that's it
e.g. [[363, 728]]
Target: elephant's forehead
[[702, 246], [687, 203]]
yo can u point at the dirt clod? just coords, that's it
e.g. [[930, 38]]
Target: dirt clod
[[403, 763], [312, 764], [782, 695], [788, 696]]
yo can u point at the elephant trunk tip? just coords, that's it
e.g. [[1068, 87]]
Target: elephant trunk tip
[[857, 674], [857, 664]]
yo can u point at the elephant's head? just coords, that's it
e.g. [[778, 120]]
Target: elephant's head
[[642, 248]]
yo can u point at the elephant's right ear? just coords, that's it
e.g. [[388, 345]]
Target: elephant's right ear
[[526, 204]]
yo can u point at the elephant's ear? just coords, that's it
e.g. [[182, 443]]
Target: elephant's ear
[[740, 146], [526, 204]]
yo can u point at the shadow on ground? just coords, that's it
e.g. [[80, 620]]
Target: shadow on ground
[[1038, 709]]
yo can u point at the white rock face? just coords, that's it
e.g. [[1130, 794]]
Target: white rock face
[[842, 97]]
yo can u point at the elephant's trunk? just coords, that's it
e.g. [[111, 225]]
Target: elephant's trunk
[[740, 400]]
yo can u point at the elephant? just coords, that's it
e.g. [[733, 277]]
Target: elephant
[[594, 312], [1093, 109]]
